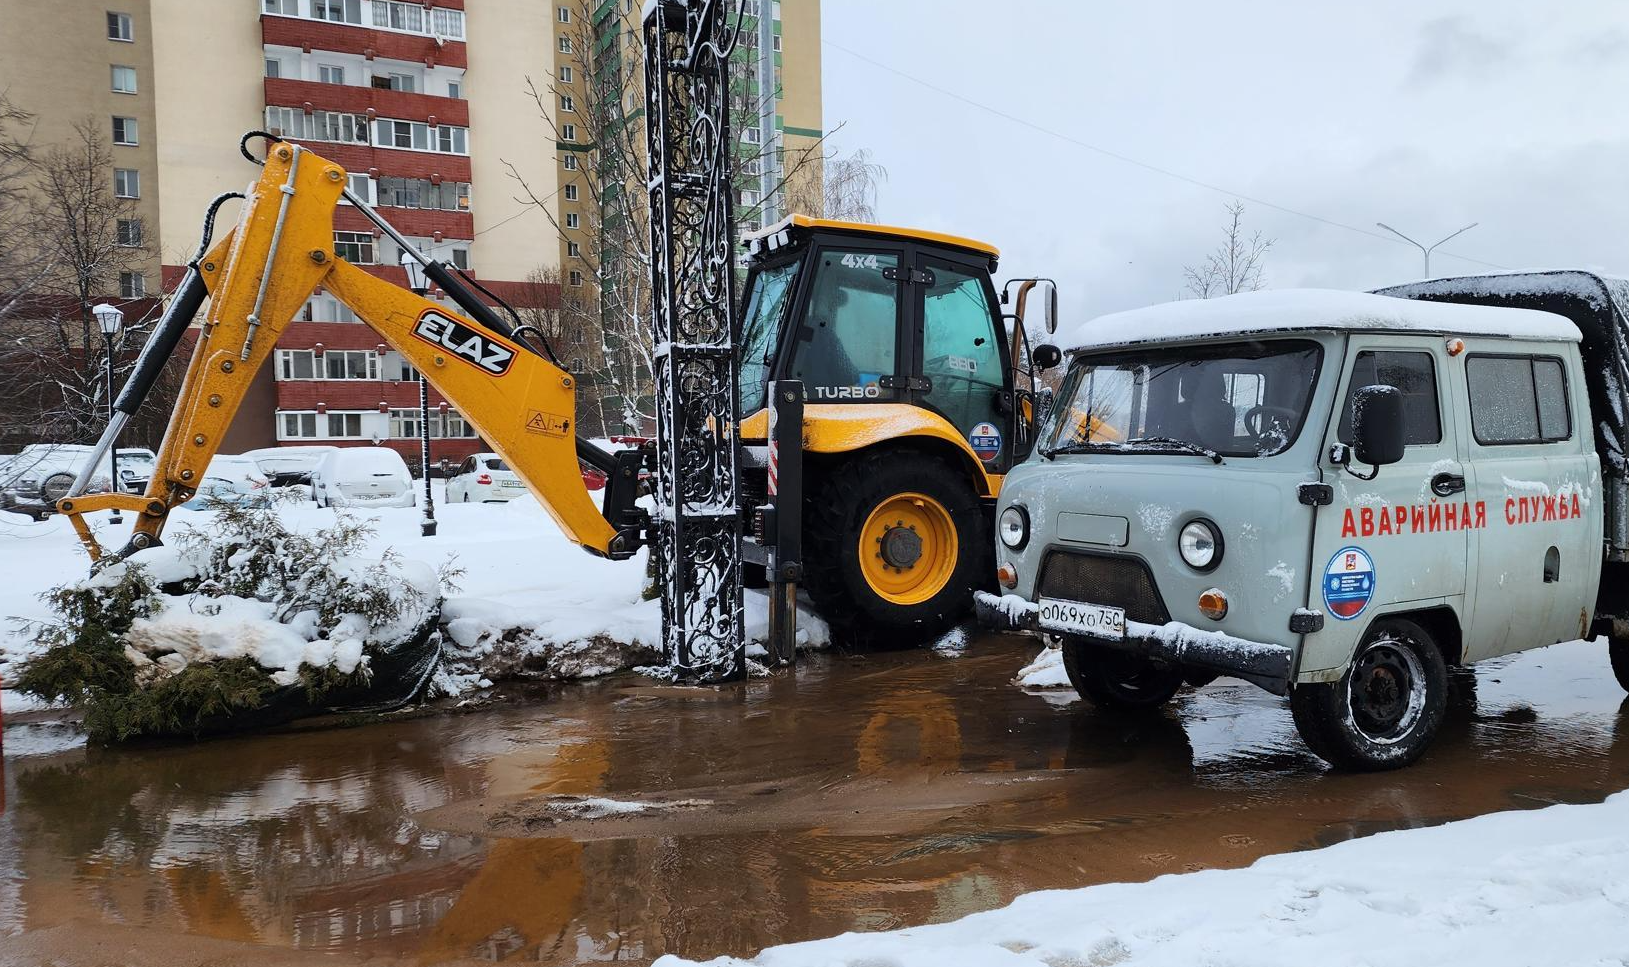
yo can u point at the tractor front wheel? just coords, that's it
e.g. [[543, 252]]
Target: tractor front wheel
[[895, 543]]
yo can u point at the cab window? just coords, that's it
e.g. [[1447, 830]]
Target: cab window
[[960, 356], [1415, 375], [760, 330], [848, 340], [1518, 399]]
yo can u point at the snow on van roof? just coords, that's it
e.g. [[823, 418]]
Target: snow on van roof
[[1282, 310]]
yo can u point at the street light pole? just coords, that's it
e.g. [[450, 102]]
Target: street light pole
[[1424, 250], [109, 318], [427, 525]]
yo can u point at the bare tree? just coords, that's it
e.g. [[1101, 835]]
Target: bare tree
[[612, 234], [573, 335], [72, 240], [847, 189], [1236, 265]]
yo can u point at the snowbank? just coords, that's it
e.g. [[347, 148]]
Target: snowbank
[[1516, 888], [1303, 309], [1046, 671]]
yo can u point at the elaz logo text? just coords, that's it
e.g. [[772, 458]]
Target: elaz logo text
[[465, 342]]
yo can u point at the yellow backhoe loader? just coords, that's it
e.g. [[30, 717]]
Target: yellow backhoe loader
[[920, 391]]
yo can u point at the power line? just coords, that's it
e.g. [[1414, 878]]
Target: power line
[[1127, 159]]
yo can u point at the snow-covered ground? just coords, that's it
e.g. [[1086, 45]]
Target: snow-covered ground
[[548, 606], [1548, 887]]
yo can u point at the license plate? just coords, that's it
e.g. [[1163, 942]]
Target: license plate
[[1076, 617]]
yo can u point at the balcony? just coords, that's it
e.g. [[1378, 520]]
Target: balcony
[[356, 99], [352, 39]]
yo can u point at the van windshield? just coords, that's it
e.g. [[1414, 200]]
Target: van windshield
[[1242, 399]]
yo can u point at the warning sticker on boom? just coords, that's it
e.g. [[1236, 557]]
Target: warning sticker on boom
[[548, 424], [1348, 583]]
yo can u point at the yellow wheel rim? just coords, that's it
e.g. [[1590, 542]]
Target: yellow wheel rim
[[908, 548]]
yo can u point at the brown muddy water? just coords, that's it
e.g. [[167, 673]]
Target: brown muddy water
[[863, 792]]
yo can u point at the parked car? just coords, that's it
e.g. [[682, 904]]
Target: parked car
[[233, 489], [483, 478], [42, 473], [135, 468], [362, 477], [237, 468], [592, 478], [288, 466]]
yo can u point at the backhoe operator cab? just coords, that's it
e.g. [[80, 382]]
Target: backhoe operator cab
[[1333, 495], [919, 399]]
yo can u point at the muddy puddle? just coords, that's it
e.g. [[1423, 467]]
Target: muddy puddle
[[621, 820]]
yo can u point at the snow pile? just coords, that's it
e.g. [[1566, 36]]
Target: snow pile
[[596, 807], [1516, 888], [1279, 310], [1046, 671]]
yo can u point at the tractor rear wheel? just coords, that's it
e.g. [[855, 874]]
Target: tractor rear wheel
[[895, 542]]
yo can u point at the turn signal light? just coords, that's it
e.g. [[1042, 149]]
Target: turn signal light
[[1213, 604], [1008, 576]]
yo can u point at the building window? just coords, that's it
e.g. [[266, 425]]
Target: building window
[[460, 258], [571, 219], [128, 232], [405, 371], [287, 8], [573, 250], [274, 67], [452, 140], [455, 89], [296, 364], [362, 187], [403, 82], [575, 277], [751, 135], [124, 80], [568, 132], [416, 136], [749, 196], [404, 424], [777, 41], [124, 131], [326, 308], [339, 11], [567, 103], [564, 13], [354, 247], [344, 426], [329, 74], [126, 183], [350, 364], [451, 424], [132, 285], [565, 45], [571, 193], [447, 23], [297, 426], [570, 161], [565, 74], [120, 27], [450, 196], [399, 16]]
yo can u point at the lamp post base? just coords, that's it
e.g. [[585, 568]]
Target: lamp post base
[[427, 528]]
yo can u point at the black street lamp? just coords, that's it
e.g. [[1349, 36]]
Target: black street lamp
[[109, 318], [416, 282]]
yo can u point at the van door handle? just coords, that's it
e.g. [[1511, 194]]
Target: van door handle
[[1448, 484]]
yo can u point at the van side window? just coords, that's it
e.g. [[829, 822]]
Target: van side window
[[1518, 399], [1415, 376]]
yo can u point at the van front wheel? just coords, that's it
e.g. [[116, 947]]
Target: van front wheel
[[1618, 650], [1387, 707], [1116, 680]]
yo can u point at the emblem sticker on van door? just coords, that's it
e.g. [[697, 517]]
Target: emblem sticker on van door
[[1348, 583], [985, 441], [475, 348]]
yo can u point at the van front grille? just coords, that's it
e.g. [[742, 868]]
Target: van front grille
[[1120, 582]]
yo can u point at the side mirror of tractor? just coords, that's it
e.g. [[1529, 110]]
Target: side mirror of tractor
[[1051, 308], [1377, 425], [1045, 356]]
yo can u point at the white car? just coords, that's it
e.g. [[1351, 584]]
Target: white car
[[484, 478], [239, 469], [42, 474], [362, 477], [287, 466]]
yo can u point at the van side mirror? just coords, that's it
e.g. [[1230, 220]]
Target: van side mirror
[[1377, 425], [1045, 356]]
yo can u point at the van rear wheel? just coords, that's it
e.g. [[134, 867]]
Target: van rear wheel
[[1387, 707], [1117, 680], [1618, 650]]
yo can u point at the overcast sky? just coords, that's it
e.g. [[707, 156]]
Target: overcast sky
[[1424, 115]]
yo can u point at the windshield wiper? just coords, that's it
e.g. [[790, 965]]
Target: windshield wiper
[[1182, 446]]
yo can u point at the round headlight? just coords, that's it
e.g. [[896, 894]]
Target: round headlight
[[1014, 527], [1200, 545]]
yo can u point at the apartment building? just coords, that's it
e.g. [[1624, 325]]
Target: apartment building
[[430, 105]]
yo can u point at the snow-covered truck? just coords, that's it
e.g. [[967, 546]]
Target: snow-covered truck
[[1336, 496]]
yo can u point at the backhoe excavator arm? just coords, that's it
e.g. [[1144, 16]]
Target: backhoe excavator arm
[[259, 277]]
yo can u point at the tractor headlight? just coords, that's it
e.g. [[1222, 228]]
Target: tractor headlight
[[1200, 545], [1014, 527]]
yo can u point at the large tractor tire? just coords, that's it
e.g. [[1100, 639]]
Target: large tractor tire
[[895, 544]]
